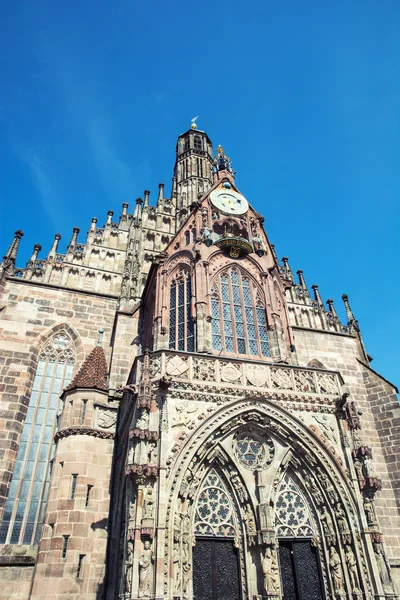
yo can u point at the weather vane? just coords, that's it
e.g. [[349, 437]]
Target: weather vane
[[193, 125]]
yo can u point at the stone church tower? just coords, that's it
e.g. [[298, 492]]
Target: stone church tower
[[182, 419]]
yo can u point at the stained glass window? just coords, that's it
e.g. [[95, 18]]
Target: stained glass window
[[239, 322], [181, 326], [252, 452], [26, 502], [214, 513]]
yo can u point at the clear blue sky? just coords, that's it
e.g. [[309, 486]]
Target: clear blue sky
[[303, 95]]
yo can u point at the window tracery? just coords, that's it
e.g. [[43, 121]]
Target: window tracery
[[252, 452], [181, 326], [26, 502], [214, 514], [293, 516], [239, 322]]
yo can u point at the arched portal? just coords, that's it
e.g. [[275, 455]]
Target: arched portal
[[256, 476]]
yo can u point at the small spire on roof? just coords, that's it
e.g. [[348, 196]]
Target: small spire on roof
[[100, 337]]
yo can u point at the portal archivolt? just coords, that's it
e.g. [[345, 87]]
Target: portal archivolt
[[262, 482]]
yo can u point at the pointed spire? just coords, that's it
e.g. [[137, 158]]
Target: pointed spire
[[36, 249], [351, 320], [93, 373], [109, 219], [11, 254], [72, 243], [93, 225], [286, 269], [317, 297], [138, 209], [302, 281], [303, 292], [146, 197], [160, 198], [124, 210], [332, 309], [53, 250]]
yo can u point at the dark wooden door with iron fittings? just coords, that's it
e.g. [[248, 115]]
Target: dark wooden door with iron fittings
[[300, 571], [216, 573]]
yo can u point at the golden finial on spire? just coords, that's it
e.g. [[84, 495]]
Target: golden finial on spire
[[220, 149], [193, 125]]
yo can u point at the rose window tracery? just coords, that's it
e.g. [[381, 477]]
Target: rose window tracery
[[214, 513], [252, 452], [293, 516]]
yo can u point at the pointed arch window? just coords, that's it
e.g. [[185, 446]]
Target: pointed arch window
[[197, 145], [238, 322], [181, 327], [215, 514], [26, 502]]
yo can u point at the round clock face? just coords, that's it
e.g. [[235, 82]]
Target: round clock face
[[229, 202]]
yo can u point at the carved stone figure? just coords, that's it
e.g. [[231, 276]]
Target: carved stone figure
[[237, 484], [153, 453], [182, 414], [370, 513], [146, 571], [384, 572], [131, 454], [270, 572], [250, 526], [313, 488], [132, 511], [177, 568], [185, 579], [143, 422], [342, 523], [368, 467], [148, 504], [359, 469], [326, 484], [336, 570], [128, 568], [353, 571], [327, 429], [327, 526]]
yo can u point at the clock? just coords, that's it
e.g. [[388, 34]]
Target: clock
[[229, 202]]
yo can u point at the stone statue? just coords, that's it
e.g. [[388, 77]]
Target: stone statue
[[270, 572], [148, 504], [132, 511], [353, 572], [368, 467], [128, 568], [131, 454], [146, 571], [336, 570], [327, 525], [143, 422], [250, 526], [237, 484], [341, 519], [383, 569], [177, 569], [370, 513], [153, 453], [313, 489], [326, 427], [359, 469]]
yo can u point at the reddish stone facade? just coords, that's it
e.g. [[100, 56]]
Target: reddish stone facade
[[172, 359]]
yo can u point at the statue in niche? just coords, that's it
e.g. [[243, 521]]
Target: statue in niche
[[384, 572], [129, 567], [313, 488], [146, 571], [250, 526], [132, 511], [368, 467], [237, 484], [326, 427], [270, 572], [185, 578], [148, 504], [131, 454], [357, 441], [327, 526], [153, 453], [177, 569], [336, 570], [143, 422], [328, 487], [359, 469], [370, 513], [341, 519], [353, 572]]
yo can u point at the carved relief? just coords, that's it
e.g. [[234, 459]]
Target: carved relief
[[176, 366], [183, 412], [256, 375], [146, 571], [230, 372], [106, 418], [281, 378]]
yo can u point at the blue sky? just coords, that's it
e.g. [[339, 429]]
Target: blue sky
[[304, 97]]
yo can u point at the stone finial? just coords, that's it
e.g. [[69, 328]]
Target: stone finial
[[93, 224], [160, 193], [286, 268], [124, 209], [54, 246], [146, 197], [36, 249], [110, 214], [351, 320], [317, 297], [138, 209], [302, 281], [332, 309], [11, 253], [72, 243]]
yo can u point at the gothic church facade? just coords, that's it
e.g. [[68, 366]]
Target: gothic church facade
[[183, 419]]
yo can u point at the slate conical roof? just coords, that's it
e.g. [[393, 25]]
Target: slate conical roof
[[93, 372]]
